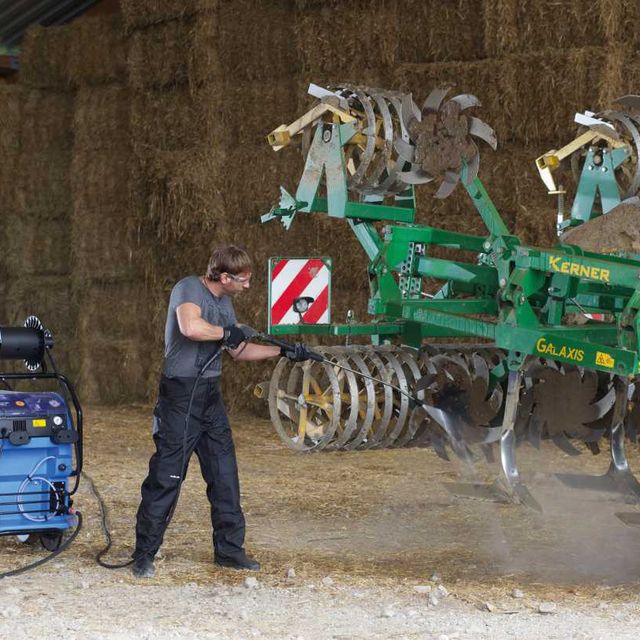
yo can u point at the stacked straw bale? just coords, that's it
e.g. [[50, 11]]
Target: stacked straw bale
[[512, 26], [44, 57], [208, 82], [160, 154], [36, 212], [10, 114], [108, 278], [97, 51]]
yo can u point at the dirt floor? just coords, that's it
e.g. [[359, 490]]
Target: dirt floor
[[353, 545]]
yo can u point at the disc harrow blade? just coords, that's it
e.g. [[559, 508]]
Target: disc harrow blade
[[482, 130], [448, 185], [434, 100], [466, 101]]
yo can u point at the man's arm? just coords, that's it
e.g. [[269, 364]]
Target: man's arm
[[193, 326], [250, 351]]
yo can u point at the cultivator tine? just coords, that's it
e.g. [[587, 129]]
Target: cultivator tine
[[562, 442], [535, 433], [619, 478], [438, 444], [488, 452], [511, 475], [510, 487]]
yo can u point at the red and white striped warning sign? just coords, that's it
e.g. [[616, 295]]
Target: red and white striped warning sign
[[292, 278]]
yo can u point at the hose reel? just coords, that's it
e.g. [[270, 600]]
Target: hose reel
[[28, 343]]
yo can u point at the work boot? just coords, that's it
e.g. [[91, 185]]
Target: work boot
[[241, 562], [143, 567]]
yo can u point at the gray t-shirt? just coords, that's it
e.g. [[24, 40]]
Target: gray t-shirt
[[184, 357]]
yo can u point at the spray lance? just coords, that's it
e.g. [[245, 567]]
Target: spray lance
[[448, 421], [314, 355]]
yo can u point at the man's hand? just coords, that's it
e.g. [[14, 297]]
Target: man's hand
[[234, 335], [297, 352]]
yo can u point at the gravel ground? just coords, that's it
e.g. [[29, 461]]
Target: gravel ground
[[92, 604]]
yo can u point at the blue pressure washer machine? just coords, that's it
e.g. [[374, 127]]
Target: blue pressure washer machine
[[40, 441]]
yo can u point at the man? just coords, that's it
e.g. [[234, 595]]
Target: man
[[200, 322]]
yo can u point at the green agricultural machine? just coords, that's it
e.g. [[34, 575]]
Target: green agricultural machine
[[520, 344]]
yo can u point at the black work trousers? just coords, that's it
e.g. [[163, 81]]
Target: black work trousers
[[209, 435]]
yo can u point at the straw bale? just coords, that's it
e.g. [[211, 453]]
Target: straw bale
[[138, 14], [44, 57], [436, 31], [49, 298], [512, 26], [244, 40], [166, 120], [104, 180], [483, 78], [101, 118], [182, 187], [35, 247], [112, 371], [159, 56], [620, 75], [42, 184], [539, 102], [336, 41], [117, 310], [11, 96], [619, 19], [47, 118], [8, 181], [97, 50], [103, 244], [218, 113], [249, 187]]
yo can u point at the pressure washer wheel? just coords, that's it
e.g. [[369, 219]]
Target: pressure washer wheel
[[51, 540]]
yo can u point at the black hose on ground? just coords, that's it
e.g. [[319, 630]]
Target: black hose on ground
[[51, 556], [104, 526]]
